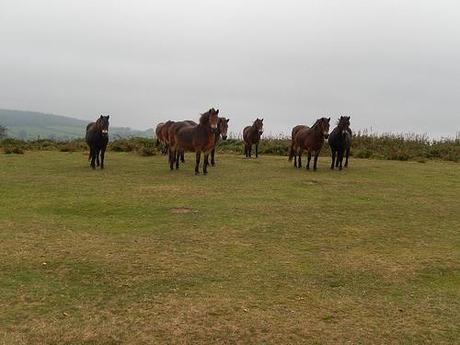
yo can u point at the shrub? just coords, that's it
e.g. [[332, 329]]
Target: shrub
[[14, 150]]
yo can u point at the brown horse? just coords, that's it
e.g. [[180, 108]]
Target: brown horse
[[294, 132], [199, 139], [311, 140], [251, 136], [222, 128], [172, 130], [163, 135], [97, 138], [160, 140]]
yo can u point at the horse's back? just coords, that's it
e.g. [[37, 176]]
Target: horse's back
[[296, 129]]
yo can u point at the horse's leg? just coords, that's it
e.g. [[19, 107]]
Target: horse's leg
[[98, 162], [102, 157], [308, 160], [182, 156], [250, 150], [346, 157], [178, 155], [316, 160], [213, 161], [205, 163], [197, 165], [295, 161], [257, 150], [93, 158], [340, 159], [333, 152], [299, 157], [171, 156]]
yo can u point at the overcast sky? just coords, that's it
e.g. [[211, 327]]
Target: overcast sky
[[391, 65]]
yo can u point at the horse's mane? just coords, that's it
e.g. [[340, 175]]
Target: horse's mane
[[316, 124], [204, 118]]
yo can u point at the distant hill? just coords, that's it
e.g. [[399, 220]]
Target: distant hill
[[33, 125]]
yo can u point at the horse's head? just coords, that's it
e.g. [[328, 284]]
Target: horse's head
[[223, 127], [213, 119], [344, 124], [259, 125], [323, 124], [103, 125]]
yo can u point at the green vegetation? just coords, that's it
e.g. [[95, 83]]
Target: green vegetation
[[29, 125], [256, 252], [391, 147]]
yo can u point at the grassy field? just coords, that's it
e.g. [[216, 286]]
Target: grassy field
[[255, 252]]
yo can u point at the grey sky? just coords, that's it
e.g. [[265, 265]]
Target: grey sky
[[391, 65]]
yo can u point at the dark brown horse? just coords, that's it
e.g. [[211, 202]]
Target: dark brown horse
[[222, 128], [340, 142], [251, 136], [172, 130], [294, 132], [163, 135], [160, 140], [199, 139], [311, 140], [97, 138]]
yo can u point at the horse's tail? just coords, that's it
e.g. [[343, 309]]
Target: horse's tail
[[291, 152]]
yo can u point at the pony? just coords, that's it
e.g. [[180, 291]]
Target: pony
[[340, 142], [311, 140], [222, 128], [97, 138], [251, 136], [199, 139], [160, 140], [172, 130], [294, 132]]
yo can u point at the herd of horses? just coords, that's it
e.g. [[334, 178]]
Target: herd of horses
[[178, 137]]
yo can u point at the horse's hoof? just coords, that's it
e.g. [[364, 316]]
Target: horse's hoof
[[196, 173]]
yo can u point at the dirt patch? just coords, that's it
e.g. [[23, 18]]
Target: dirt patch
[[182, 210]]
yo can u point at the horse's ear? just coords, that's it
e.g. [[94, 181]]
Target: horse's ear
[[108, 117], [100, 117], [262, 119], [329, 120], [228, 120], [217, 111]]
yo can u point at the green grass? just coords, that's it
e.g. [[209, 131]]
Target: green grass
[[255, 252]]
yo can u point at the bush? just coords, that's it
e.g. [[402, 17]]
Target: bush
[[364, 145], [14, 150]]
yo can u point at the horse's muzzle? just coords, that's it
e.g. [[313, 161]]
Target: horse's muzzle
[[224, 137], [326, 135]]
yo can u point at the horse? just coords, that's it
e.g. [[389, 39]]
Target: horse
[[340, 142], [311, 140], [222, 128], [251, 135], [163, 135], [160, 139], [199, 139], [294, 132], [172, 130], [97, 138]]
